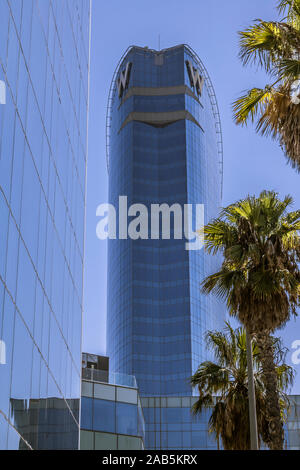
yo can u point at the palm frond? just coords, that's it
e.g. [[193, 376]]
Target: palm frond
[[286, 375], [292, 8], [222, 282], [250, 103], [280, 119], [217, 234], [288, 69], [204, 401], [292, 217], [224, 390], [211, 377], [224, 351], [275, 46], [263, 42]]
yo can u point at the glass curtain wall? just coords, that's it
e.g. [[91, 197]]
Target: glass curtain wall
[[163, 148], [44, 63]]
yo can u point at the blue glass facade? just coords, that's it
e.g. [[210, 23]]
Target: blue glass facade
[[292, 425], [111, 412], [164, 147], [44, 62], [171, 425]]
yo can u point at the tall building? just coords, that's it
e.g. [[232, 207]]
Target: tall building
[[164, 146], [44, 64]]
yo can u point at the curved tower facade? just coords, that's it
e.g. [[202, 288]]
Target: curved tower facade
[[164, 147]]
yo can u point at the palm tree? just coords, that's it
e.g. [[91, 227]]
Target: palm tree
[[223, 387], [259, 278], [274, 46]]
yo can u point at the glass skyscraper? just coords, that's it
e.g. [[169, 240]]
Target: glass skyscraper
[[164, 145], [44, 63]]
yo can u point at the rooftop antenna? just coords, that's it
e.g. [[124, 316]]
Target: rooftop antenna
[[159, 42]]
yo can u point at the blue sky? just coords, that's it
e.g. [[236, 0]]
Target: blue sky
[[251, 163]]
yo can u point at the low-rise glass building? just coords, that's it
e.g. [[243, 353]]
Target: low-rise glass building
[[111, 411], [171, 425], [113, 415], [293, 424]]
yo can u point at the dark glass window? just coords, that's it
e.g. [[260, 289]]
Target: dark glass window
[[126, 419], [104, 415], [86, 413]]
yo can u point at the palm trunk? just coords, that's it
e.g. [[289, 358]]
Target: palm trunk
[[251, 395], [269, 377]]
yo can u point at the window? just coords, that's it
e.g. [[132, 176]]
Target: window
[[86, 413], [129, 443], [105, 441], [126, 419], [86, 440], [104, 415]]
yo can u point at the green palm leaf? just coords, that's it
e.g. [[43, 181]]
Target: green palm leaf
[[260, 281], [274, 46], [223, 388], [249, 104]]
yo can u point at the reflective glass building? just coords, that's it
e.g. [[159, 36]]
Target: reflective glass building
[[164, 146], [44, 63], [170, 425], [111, 412]]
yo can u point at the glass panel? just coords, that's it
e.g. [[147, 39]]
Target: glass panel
[[87, 389], [105, 392], [87, 413], [105, 441], [129, 443], [104, 415], [86, 440], [127, 395], [126, 419]]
